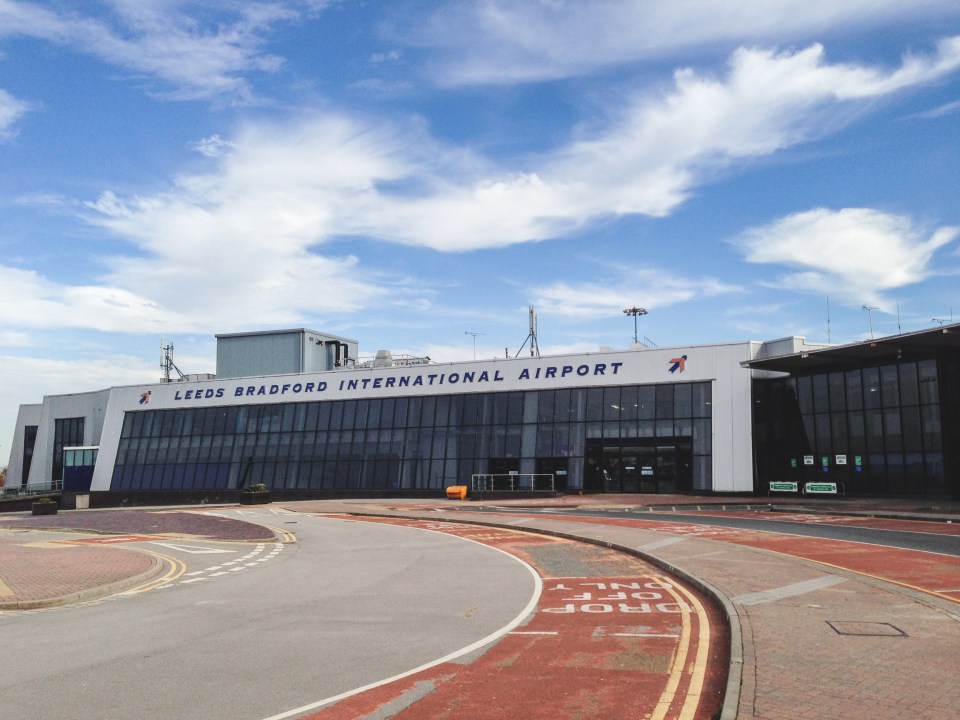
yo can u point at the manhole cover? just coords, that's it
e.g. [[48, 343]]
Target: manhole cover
[[869, 629]]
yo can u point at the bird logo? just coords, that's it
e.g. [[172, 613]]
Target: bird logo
[[678, 364]]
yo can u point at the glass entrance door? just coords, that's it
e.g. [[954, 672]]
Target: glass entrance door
[[655, 466]]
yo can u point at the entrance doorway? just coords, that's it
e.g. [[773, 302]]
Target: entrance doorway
[[639, 466]]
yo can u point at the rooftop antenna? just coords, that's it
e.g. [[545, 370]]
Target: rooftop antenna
[[941, 321], [899, 330], [869, 317], [167, 365], [467, 332], [532, 337], [828, 320]]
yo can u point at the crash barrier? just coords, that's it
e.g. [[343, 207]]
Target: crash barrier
[[512, 482]]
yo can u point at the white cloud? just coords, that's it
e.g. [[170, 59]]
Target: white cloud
[[241, 241], [503, 41], [213, 146], [854, 254], [647, 287], [160, 40], [11, 110]]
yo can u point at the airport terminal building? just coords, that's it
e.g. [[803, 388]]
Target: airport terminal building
[[295, 411]]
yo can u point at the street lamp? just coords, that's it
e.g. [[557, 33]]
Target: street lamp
[[635, 311]]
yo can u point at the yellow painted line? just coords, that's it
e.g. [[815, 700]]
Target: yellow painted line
[[698, 671], [286, 538], [175, 569], [679, 658]]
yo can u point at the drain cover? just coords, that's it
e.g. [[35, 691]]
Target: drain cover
[[868, 629]]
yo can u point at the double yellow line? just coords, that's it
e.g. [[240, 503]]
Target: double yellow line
[[677, 668], [174, 569]]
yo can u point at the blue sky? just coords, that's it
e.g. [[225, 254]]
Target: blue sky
[[406, 173]]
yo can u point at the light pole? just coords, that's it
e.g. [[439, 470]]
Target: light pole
[[467, 332], [635, 311]]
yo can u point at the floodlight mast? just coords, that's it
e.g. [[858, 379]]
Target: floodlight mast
[[636, 312]]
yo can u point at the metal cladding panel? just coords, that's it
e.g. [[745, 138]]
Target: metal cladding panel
[[261, 354]]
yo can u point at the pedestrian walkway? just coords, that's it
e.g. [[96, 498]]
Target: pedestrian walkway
[[808, 640]]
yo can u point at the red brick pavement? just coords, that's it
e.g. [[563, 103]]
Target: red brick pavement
[[44, 574], [146, 522]]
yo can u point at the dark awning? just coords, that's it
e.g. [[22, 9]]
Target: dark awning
[[909, 346]]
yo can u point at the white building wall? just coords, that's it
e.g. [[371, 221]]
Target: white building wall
[[718, 364], [27, 415]]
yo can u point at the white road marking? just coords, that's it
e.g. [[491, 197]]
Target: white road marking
[[792, 590]]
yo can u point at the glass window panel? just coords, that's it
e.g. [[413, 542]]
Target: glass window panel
[[874, 423], [546, 405], [857, 438], [470, 407], [428, 411], [822, 430], [130, 421], [930, 419], [821, 395], [442, 412], [531, 405], [544, 440], [646, 428], [361, 409], [300, 416], [911, 428], [611, 404], [311, 413], [702, 440], [871, 388], [512, 446], [646, 396], [894, 435], [805, 394], [854, 383], [629, 403], [683, 427], [386, 412], [400, 411], [561, 441], [664, 395], [594, 404], [664, 428], [909, 387], [515, 408], [563, 410], [889, 386], [927, 376], [838, 429], [701, 400], [682, 401], [837, 384]]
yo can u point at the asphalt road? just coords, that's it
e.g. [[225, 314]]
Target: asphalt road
[[812, 526], [349, 604]]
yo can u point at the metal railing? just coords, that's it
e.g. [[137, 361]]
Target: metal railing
[[34, 489], [513, 482]]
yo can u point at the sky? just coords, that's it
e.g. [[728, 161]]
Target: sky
[[415, 175]]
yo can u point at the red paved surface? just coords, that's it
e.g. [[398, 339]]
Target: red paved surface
[[146, 522], [29, 574], [611, 646]]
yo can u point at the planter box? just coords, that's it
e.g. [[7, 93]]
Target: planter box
[[260, 498], [44, 508]]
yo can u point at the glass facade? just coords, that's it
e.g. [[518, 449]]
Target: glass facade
[[67, 431], [878, 430], [420, 443]]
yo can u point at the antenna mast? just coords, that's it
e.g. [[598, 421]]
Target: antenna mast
[[167, 365], [532, 337]]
